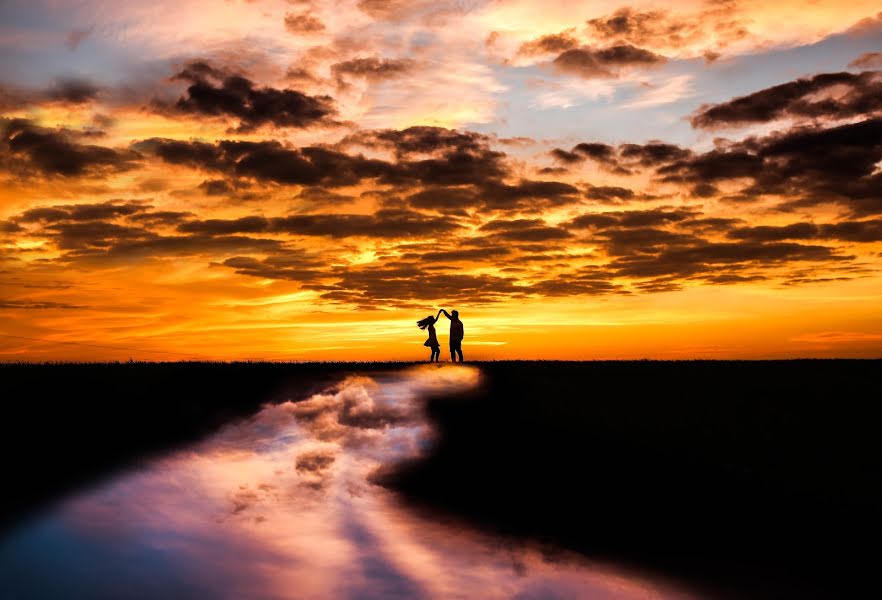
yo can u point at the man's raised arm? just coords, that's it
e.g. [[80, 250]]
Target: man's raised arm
[[445, 313]]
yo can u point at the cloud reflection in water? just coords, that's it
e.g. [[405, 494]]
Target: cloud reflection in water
[[279, 506]]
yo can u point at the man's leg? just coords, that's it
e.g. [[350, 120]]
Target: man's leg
[[459, 351], [452, 353]]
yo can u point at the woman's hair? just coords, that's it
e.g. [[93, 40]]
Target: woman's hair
[[423, 323]]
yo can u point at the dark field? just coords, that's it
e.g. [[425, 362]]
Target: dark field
[[745, 479]]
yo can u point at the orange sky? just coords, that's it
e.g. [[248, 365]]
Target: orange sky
[[277, 180]]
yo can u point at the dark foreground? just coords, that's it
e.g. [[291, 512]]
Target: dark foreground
[[746, 479]]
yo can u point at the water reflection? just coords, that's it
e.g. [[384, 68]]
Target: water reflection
[[280, 506]]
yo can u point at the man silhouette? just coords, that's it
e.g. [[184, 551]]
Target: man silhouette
[[456, 334]]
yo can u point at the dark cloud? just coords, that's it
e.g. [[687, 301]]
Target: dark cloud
[[385, 223], [421, 139], [318, 195], [216, 187], [622, 159], [270, 161], [867, 60], [511, 224], [852, 231], [35, 305], [73, 91], [471, 255], [651, 154], [27, 149], [10, 227], [652, 27], [705, 258], [642, 241], [292, 266], [119, 229], [604, 62], [189, 245], [458, 159], [813, 164], [606, 193], [524, 230], [829, 95], [82, 212], [314, 461], [445, 199], [215, 93], [161, 217], [550, 44], [303, 23], [372, 68], [588, 281], [528, 194], [412, 285]]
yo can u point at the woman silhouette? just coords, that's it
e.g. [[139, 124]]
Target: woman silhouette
[[432, 342]]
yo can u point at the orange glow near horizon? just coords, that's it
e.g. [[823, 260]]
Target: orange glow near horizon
[[306, 183]]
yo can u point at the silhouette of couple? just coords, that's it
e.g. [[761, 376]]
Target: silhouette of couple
[[456, 335]]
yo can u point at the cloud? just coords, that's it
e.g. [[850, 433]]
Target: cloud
[[529, 195], [27, 149], [118, 229], [455, 159], [813, 164], [314, 461], [410, 286], [471, 255], [624, 158], [605, 62], [705, 258], [445, 199], [372, 68], [35, 305], [420, 140], [867, 60], [852, 231], [73, 91], [82, 212], [606, 193], [524, 230], [215, 93], [554, 43], [633, 218], [828, 95], [713, 27], [385, 223], [303, 23], [291, 266]]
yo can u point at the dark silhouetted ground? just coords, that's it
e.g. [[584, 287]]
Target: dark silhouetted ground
[[748, 479], [751, 479], [67, 424]]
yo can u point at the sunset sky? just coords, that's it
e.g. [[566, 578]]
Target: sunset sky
[[305, 179]]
